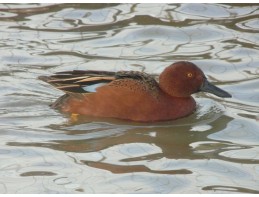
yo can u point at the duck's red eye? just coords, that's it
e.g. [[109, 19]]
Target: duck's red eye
[[189, 75]]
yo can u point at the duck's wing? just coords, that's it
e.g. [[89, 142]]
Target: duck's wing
[[79, 81]]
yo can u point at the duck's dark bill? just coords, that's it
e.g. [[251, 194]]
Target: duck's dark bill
[[208, 87]]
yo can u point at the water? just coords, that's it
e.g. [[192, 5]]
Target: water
[[214, 150]]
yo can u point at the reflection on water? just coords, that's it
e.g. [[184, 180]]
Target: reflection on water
[[214, 150]]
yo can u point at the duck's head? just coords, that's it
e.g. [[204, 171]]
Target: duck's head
[[181, 79]]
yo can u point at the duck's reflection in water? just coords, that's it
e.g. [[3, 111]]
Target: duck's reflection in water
[[170, 141]]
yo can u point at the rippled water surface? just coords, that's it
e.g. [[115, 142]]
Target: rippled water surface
[[214, 150]]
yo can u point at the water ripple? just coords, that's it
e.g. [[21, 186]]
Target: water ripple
[[214, 150]]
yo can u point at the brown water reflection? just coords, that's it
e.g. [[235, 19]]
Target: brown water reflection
[[215, 150], [174, 142]]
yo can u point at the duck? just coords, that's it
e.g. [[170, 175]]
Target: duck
[[132, 95]]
